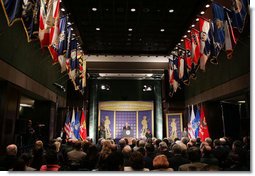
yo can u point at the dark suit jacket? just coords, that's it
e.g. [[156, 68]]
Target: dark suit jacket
[[126, 128]]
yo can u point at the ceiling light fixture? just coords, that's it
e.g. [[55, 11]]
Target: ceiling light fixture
[[133, 10], [69, 23], [192, 25], [179, 44], [202, 12], [182, 40], [197, 19], [162, 30], [130, 29], [184, 36], [171, 10], [98, 29], [94, 9], [71, 29], [207, 5], [188, 31], [62, 9]]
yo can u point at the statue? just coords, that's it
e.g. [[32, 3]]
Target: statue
[[107, 123], [174, 129], [144, 123]]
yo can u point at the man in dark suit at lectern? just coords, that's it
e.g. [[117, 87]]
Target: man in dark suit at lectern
[[126, 127]]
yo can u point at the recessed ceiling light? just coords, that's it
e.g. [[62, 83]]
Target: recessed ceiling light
[[179, 44], [184, 36], [62, 9], [162, 30], [197, 19], [176, 47], [71, 29], [94, 9], [192, 25], [98, 29], [171, 10], [207, 5], [69, 23], [188, 31], [133, 10], [130, 29], [73, 34], [202, 12], [181, 40]]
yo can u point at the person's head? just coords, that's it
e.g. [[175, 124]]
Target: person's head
[[114, 162], [162, 146], [194, 154], [160, 162], [127, 124], [38, 145], [122, 143], [51, 157], [126, 150], [77, 145], [136, 160], [12, 150]]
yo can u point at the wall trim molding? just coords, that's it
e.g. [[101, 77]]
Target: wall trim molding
[[232, 86], [11, 74]]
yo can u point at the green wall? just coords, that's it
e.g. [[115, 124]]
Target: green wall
[[26, 57]]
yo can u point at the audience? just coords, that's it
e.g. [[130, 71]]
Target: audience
[[142, 155]]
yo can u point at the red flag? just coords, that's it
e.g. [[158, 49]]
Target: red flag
[[187, 44], [43, 29], [204, 27], [83, 129], [181, 66], [203, 128], [195, 46], [54, 32]]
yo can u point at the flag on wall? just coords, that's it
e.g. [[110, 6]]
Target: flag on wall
[[195, 46], [77, 125], [30, 18], [54, 32], [181, 65], [62, 43], [240, 9], [175, 73], [83, 129], [195, 123], [218, 31], [230, 39], [12, 10], [203, 128], [73, 125], [187, 45], [191, 132], [43, 29], [204, 27], [67, 127]]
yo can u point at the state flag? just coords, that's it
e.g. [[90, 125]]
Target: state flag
[[240, 9], [12, 10], [83, 128], [77, 125], [204, 27], [230, 39], [73, 125], [62, 45], [30, 18], [218, 31], [196, 122], [44, 30], [195, 46], [203, 127]]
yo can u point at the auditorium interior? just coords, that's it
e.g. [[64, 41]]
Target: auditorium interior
[[126, 75]]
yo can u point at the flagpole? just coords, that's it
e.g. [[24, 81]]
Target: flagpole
[[223, 121]]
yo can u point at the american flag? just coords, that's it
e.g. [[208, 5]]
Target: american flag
[[67, 127], [191, 132]]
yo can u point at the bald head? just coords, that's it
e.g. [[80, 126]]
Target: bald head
[[11, 149]]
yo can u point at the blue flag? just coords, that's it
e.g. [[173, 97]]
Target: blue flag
[[240, 9], [77, 125], [217, 32], [30, 18], [62, 36], [62, 45], [196, 122], [12, 10], [218, 20]]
